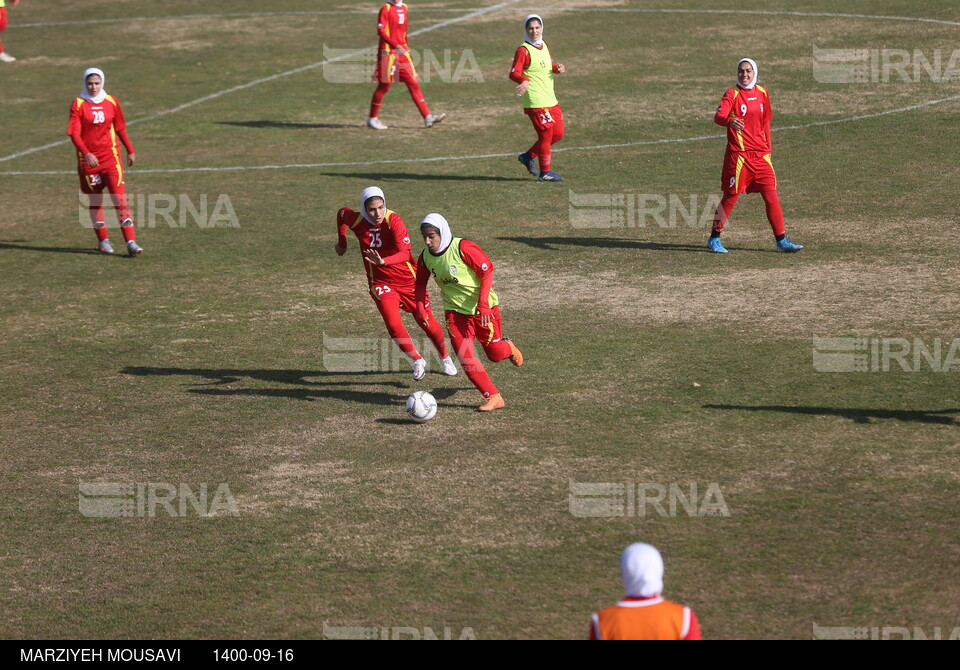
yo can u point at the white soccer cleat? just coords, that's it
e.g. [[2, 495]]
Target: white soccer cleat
[[375, 123], [449, 368], [6, 58], [133, 248], [431, 119], [105, 247], [419, 369]]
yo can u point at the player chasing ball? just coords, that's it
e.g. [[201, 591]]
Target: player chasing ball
[[96, 123], [465, 276], [393, 63], [533, 70], [747, 166], [388, 264]]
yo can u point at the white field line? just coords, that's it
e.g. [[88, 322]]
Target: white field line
[[263, 80], [440, 159], [239, 15]]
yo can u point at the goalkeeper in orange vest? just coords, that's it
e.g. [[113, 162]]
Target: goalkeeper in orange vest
[[465, 275], [643, 614]]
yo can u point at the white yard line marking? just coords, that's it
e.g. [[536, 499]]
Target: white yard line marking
[[440, 159], [304, 68]]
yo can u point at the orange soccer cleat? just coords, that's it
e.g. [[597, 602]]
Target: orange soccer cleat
[[492, 403], [515, 356]]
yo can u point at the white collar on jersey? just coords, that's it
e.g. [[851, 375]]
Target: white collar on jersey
[[641, 568], [371, 192], [440, 223], [753, 82], [100, 97], [538, 43]]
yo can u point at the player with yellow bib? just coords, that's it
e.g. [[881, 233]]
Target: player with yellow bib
[[465, 276], [533, 70]]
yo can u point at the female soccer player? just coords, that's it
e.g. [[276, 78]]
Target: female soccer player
[[533, 70], [385, 247], [465, 276], [4, 56], [393, 62], [96, 122], [747, 166]]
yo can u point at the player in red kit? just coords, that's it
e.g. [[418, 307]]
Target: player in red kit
[[747, 166], [4, 56], [393, 63], [96, 123], [472, 308], [385, 247], [533, 69]]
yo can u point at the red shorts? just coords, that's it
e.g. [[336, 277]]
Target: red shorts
[[403, 295], [108, 174], [392, 67], [467, 327], [747, 172], [545, 117]]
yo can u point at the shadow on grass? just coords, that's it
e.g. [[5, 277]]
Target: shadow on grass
[[857, 415], [554, 244], [286, 124], [336, 387], [59, 250], [402, 176]]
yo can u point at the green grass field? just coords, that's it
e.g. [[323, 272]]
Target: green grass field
[[648, 359]]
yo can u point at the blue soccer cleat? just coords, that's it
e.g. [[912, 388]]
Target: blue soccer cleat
[[529, 163], [550, 176], [788, 247], [715, 245]]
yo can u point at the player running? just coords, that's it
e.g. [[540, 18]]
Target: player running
[[533, 70], [747, 167], [393, 63], [96, 123], [465, 276], [388, 264]]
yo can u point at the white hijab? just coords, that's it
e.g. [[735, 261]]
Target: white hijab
[[641, 568], [100, 97], [753, 82], [371, 192], [440, 223], [542, 28]]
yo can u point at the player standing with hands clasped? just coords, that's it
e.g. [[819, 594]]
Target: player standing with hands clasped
[[96, 122], [533, 70], [747, 166], [393, 62], [465, 276], [385, 247], [4, 56]]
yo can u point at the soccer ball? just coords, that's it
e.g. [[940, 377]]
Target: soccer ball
[[421, 406]]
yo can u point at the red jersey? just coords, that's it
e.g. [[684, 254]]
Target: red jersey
[[521, 61], [392, 26], [753, 106], [390, 239], [95, 128]]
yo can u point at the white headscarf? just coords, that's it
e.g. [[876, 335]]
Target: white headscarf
[[526, 38], [641, 568], [100, 97], [753, 82], [440, 223], [371, 192]]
